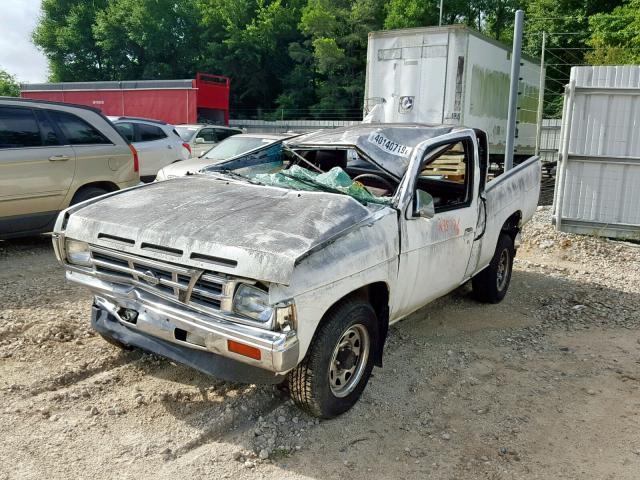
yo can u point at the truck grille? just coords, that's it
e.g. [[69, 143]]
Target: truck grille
[[201, 290]]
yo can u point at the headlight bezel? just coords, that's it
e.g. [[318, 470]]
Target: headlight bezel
[[77, 253], [247, 291]]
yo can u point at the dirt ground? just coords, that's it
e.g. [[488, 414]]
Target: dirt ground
[[545, 385]]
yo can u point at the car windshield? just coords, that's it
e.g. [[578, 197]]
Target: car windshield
[[234, 146], [186, 133], [340, 171]]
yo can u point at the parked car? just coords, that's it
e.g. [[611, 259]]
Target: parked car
[[228, 148], [201, 137], [297, 275], [53, 155], [158, 143]]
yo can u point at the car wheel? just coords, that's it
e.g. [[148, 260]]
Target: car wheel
[[87, 193], [492, 283], [338, 364]]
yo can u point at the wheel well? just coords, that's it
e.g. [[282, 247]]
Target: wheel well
[[377, 294], [108, 186], [512, 225]]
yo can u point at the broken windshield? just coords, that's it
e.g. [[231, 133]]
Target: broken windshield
[[335, 180], [339, 171]]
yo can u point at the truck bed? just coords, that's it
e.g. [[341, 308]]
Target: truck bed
[[515, 191]]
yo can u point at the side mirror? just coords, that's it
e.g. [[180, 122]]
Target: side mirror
[[199, 140], [423, 205]]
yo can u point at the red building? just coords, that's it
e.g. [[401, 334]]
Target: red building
[[204, 99]]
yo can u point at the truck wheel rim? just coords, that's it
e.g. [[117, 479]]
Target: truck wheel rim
[[349, 360], [503, 270]]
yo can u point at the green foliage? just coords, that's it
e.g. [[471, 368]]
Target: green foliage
[[615, 36], [290, 58], [567, 23], [8, 85]]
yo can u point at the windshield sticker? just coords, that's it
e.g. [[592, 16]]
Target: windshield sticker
[[389, 146]]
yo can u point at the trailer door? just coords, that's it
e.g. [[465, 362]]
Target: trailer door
[[412, 78]]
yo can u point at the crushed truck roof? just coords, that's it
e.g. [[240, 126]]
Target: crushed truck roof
[[388, 145]]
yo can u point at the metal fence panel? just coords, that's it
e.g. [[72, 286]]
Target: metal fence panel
[[598, 186]]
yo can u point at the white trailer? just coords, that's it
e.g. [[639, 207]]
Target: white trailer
[[450, 75]]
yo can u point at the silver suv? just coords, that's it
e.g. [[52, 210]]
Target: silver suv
[[53, 155]]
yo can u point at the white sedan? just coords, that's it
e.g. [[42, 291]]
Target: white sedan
[[158, 143], [228, 148], [201, 137]]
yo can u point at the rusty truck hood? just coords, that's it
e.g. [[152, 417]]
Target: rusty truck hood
[[236, 228]]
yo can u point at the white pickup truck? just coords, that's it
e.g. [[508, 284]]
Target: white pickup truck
[[290, 262]]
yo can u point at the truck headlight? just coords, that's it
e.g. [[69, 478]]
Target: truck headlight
[[77, 252], [253, 303]]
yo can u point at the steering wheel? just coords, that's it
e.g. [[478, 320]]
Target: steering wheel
[[373, 176]]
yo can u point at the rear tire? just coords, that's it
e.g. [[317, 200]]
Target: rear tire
[[492, 283], [338, 364], [87, 193]]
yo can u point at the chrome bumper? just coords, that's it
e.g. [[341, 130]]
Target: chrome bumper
[[178, 325]]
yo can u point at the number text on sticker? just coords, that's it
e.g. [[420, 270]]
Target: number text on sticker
[[389, 146]]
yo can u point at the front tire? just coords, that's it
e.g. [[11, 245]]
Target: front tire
[[338, 364], [492, 283]]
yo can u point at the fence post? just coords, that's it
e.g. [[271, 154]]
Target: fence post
[[541, 94], [513, 91]]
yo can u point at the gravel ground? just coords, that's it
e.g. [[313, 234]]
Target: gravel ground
[[543, 385]]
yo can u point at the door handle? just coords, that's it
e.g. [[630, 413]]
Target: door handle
[[468, 230], [169, 147], [58, 158]]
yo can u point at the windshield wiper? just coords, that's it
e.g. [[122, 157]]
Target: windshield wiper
[[237, 175]]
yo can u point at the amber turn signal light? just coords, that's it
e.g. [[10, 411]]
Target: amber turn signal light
[[242, 349]]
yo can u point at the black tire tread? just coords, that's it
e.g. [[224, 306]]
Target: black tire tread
[[301, 378], [484, 283]]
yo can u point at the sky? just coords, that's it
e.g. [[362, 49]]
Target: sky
[[18, 56]]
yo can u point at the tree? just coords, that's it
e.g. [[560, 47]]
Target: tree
[[615, 36], [250, 41], [65, 35], [9, 86], [147, 39], [338, 33], [295, 56], [567, 25]]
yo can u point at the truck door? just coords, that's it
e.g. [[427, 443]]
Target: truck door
[[436, 247]]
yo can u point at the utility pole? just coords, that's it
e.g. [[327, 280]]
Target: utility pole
[[513, 91], [440, 22], [541, 94]]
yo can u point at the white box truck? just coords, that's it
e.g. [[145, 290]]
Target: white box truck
[[450, 75]]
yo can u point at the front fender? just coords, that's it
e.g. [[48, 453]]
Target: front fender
[[364, 256]]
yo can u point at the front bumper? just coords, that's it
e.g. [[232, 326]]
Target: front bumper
[[171, 325]]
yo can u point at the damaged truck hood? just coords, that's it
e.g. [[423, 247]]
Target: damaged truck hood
[[240, 229]]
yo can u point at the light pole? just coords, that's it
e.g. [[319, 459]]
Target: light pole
[[440, 22]]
